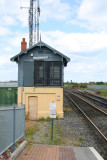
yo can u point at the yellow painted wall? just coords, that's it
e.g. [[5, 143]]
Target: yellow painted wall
[[45, 96]]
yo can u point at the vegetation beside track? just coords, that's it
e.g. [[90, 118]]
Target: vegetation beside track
[[39, 132], [98, 91]]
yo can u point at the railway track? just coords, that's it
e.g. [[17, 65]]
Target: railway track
[[95, 102], [96, 99], [94, 115]]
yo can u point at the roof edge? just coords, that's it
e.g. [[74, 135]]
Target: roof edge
[[40, 43]]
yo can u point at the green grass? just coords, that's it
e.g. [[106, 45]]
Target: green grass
[[102, 92], [80, 139], [56, 141], [29, 132], [45, 137], [42, 119], [57, 135], [58, 138], [76, 144]]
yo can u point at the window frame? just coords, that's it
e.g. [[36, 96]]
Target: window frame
[[46, 71]]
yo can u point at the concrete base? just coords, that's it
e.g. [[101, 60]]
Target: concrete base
[[15, 154], [86, 153]]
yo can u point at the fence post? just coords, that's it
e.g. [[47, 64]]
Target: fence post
[[24, 122], [14, 117]]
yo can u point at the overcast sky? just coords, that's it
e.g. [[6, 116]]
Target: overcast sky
[[77, 28]]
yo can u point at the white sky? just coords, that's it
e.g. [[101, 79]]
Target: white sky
[[77, 28]]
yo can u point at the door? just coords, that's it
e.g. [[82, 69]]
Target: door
[[33, 104]]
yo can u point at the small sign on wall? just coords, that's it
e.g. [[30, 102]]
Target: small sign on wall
[[58, 98], [52, 110]]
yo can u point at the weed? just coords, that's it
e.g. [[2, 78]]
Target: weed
[[27, 116], [80, 139], [29, 132], [18, 142], [45, 125], [56, 141], [76, 143], [57, 116], [104, 94], [48, 119], [42, 119], [69, 141], [67, 109], [46, 135]]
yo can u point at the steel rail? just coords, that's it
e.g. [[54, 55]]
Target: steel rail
[[103, 103], [105, 138], [87, 102], [96, 96], [92, 94], [90, 97]]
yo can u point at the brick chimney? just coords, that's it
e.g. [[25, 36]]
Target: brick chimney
[[23, 45]]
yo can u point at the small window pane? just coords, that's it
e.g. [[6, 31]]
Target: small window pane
[[51, 71], [57, 82], [56, 71], [41, 72]]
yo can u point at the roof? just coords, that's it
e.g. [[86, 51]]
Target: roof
[[40, 44]]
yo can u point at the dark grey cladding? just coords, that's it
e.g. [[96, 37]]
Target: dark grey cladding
[[48, 74]]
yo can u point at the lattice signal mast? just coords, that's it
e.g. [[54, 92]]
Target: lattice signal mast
[[34, 14]]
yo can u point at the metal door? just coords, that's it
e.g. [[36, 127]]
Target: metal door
[[33, 105]]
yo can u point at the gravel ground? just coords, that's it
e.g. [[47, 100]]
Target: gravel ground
[[42, 135], [79, 127], [74, 130]]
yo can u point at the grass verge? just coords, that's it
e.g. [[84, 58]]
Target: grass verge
[[99, 91], [30, 131]]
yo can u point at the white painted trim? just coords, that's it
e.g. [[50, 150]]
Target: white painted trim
[[97, 155]]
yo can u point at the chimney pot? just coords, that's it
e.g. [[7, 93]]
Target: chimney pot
[[23, 45]]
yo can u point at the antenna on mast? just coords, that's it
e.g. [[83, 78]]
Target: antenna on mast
[[38, 14], [33, 22]]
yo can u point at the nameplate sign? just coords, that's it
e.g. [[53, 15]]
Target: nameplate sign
[[40, 58], [52, 110]]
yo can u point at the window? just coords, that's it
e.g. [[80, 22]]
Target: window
[[47, 73], [55, 73], [41, 71]]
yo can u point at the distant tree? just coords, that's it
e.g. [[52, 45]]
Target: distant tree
[[83, 85], [100, 83], [90, 83], [75, 85]]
